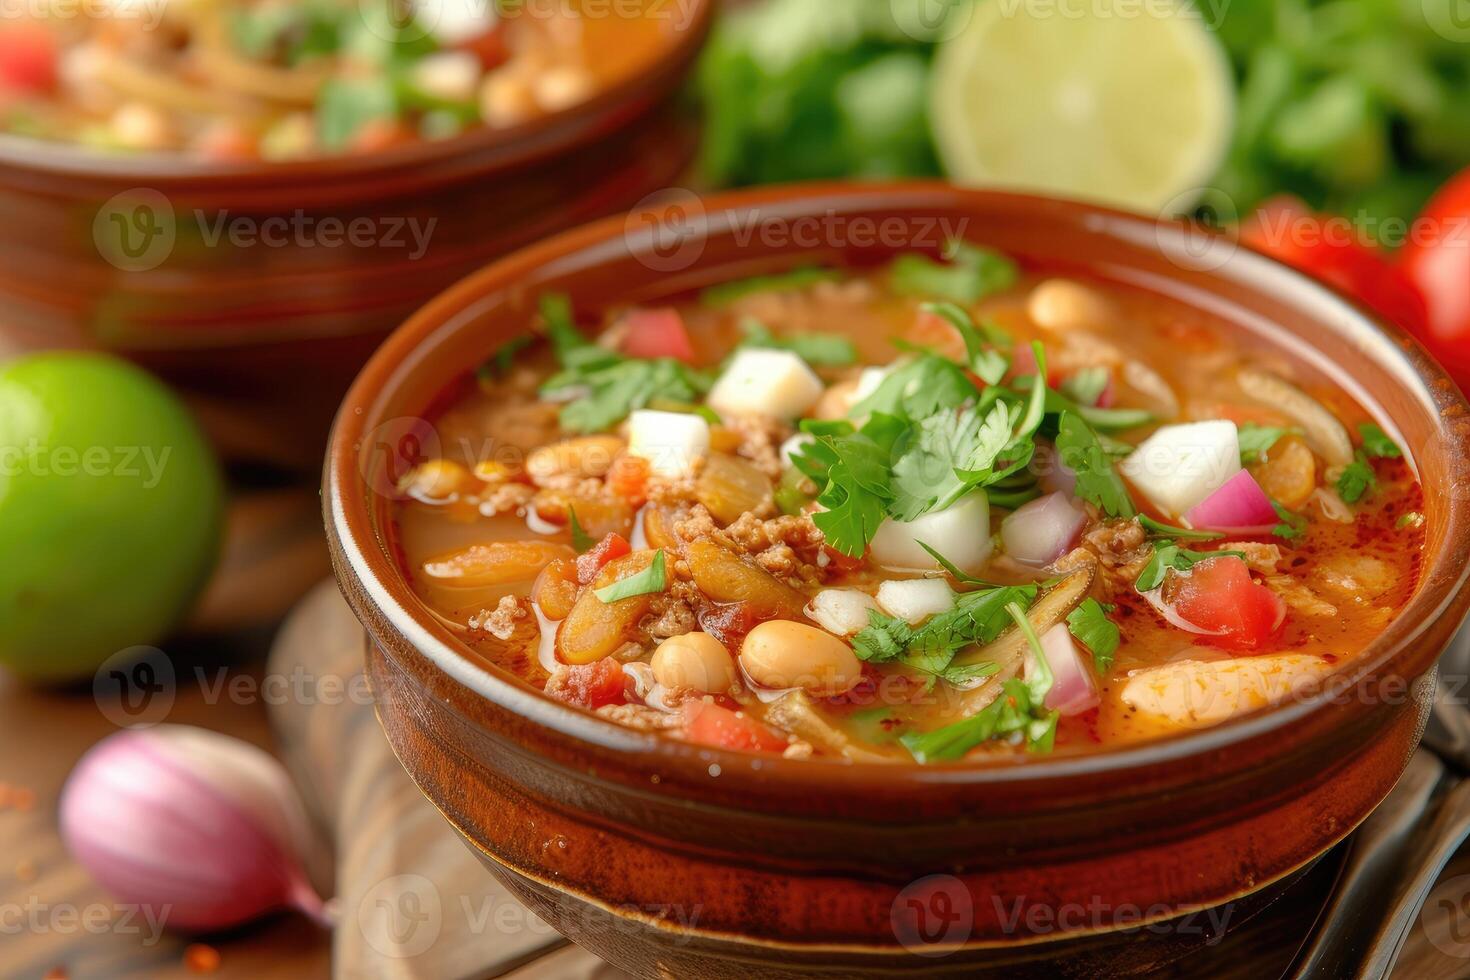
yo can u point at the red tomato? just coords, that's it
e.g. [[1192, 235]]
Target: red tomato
[[1218, 595], [490, 47], [1437, 260], [706, 723], [604, 551], [28, 58], [1331, 250], [657, 333], [589, 685]]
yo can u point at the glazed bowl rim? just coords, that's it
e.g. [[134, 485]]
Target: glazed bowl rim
[[484, 147], [359, 551]]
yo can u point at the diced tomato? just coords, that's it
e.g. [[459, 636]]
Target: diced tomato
[[1219, 595], [1330, 249], [706, 723], [589, 685], [628, 478], [28, 58], [604, 551], [1436, 258], [657, 333]]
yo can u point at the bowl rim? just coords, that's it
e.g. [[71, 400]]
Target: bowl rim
[[481, 148], [366, 571]]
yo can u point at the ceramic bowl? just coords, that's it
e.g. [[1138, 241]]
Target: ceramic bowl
[[672, 860], [260, 289]]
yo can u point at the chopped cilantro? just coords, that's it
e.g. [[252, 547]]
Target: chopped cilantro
[[1039, 678], [727, 293], [497, 365], [1090, 624], [950, 454], [969, 275], [1014, 711], [581, 540], [814, 348], [1079, 449], [1292, 526], [976, 619], [1357, 479], [1158, 529], [345, 105], [610, 386], [651, 580], [1257, 440], [988, 363], [852, 469], [1377, 444], [918, 389], [1169, 555]]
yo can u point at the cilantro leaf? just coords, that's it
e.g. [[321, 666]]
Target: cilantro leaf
[[498, 364], [652, 579], [1170, 555], [852, 468], [1377, 444], [976, 619], [814, 348], [1078, 449], [918, 389], [987, 363], [949, 456], [556, 311], [581, 540], [971, 274], [1292, 526], [1257, 440], [727, 293], [1039, 678], [1090, 624], [1357, 479]]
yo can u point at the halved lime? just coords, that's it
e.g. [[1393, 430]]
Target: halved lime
[[1122, 102]]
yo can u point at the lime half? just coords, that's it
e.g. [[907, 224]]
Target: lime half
[[1121, 102]]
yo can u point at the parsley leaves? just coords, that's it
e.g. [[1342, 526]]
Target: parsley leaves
[[1090, 624], [1377, 444], [1358, 478], [1011, 712], [1292, 526], [976, 619], [1080, 450], [1257, 440], [947, 450], [652, 579]]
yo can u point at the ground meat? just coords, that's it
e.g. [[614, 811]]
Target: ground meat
[[501, 621], [671, 616], [506, 498], [787, 546], [1120, 548], [639, 717], [760, 441]]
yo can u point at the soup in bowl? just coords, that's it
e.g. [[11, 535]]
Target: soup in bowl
[[246, 197], [1047, 551]]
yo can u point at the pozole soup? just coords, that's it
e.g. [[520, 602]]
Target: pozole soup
[[943, 509], [236, 80]]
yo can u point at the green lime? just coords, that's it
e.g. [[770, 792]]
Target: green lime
[[110, 508], [1114, 101]]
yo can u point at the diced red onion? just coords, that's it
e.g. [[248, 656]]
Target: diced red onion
[[1073, 688], [1041, 531], [1238, 507]]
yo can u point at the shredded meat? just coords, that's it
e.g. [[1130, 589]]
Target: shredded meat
[[640, 717], [1119, 547], [499, 622], [1263, 558], [671, 616], [760, 441], [1299, 596]]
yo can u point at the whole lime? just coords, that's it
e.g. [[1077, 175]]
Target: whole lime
[[110, 512]]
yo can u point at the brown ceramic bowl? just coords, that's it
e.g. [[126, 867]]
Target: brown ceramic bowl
[[266, 329], [673, 860]]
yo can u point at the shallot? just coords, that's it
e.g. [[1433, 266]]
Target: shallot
[[1073, 690], [1240, 506], [1041, 531], [205, 830]]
